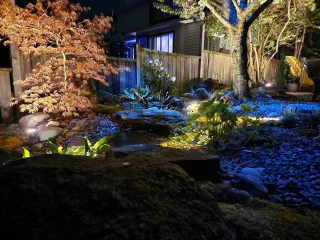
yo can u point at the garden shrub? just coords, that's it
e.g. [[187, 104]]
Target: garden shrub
[[158, 80], [283, 72], [219, 122], [214, 126]]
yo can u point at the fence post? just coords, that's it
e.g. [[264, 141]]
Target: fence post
[[6, 112], [203, 31], [17, 74], [138, 72]]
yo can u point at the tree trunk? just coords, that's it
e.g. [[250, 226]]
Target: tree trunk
[[239, 63]]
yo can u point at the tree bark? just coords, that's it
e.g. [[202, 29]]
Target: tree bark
[[240, 60]]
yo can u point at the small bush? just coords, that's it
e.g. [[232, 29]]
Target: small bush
[[290, 120], [158, 80]]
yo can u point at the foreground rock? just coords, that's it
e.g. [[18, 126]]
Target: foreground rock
[[151, 119], [69, 197], [200, 166]]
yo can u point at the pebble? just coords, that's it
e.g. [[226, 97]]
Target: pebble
[[293, 169]]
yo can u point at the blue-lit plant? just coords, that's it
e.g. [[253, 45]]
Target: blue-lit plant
[[158, 81]]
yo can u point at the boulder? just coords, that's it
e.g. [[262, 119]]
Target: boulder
[[107, 109], [177, 103], [202, 94], [301, 108], [36, 147], [124, 151], [73, 197], [188, 96], [70, 134], [149, 119], [252, 181], [33, 120], [9, 147], [10, 144], [59, 140], [201, 168], [49, 133], [53, 124]]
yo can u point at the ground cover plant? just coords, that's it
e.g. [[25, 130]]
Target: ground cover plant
[[87, 150]]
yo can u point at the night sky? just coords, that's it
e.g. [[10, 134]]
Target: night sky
[[100, 6]]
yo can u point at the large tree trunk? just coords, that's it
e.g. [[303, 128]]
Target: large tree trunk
[[240, 61]]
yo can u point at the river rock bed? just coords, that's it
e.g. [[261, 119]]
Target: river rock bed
[[290, 170]]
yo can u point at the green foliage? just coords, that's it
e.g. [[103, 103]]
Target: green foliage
[[139, 94], [219, 122], [26, 153], [283, 72], [94, 151], [214, 27], [215, 126], [158, 81], [290, 120]]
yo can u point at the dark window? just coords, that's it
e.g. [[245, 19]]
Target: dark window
[[163, 42], [130, 43], [143, 42]]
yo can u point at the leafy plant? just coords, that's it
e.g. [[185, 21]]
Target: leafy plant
[[26, 153], [73, 48], [96, 150], [290, 120], [142, 95], [219, 122], [158, 81], [283, 72]]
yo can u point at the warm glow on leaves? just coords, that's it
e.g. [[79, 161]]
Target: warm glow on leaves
[[75, 51]]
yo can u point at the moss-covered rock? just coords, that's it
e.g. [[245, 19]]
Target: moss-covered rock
[[10, 144], [71, 197], [264, 220], [107, 109]]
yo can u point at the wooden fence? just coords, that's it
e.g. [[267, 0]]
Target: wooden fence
[[123, 80], [185, 68], [219, 66], [6, 113]]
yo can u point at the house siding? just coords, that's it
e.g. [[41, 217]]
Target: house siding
[[138, 18], [188, 39]]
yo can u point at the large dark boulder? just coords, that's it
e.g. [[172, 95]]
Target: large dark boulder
[[60, 197], [151, 119]]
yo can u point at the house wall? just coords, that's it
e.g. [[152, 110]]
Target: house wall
[[188, 39], [133, 19]]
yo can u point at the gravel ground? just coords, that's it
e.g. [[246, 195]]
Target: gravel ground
[[291, 166]]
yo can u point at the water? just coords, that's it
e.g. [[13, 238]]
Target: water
[[130, 138]]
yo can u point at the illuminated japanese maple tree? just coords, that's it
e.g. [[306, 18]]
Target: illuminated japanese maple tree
[[74, 48]]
